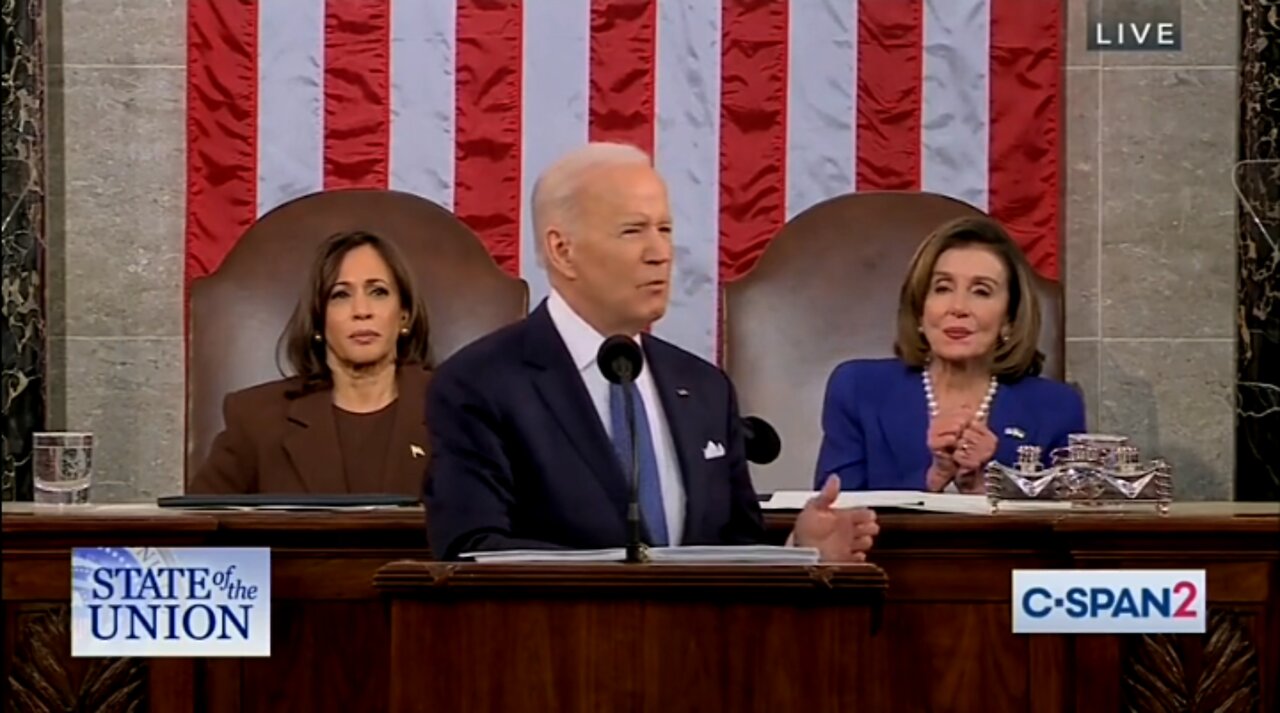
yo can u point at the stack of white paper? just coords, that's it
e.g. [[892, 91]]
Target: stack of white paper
[[908, 500], [760, 554], [979, 505], [796, 499], [296, 508], [616, 554], [756, 554]]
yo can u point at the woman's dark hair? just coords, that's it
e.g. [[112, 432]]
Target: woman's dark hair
[[302, 339]]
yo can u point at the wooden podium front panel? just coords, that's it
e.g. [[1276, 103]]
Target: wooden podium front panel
[[632, 638], [330, 627], [948, 614], [944, 642]]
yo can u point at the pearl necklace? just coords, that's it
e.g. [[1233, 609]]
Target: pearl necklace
[[932, 400]]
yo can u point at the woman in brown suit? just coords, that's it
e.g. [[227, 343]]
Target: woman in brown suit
[[351, 420]]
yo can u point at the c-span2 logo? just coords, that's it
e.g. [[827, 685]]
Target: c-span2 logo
[[1109, 601], [170, 601]]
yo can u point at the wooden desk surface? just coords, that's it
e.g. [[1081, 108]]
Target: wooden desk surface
[[24, 519], [946, 619]]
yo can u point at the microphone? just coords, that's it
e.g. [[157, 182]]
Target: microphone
[[621, 361], [762, 442]]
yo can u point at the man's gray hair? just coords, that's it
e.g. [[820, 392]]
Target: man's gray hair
[[555, 193]]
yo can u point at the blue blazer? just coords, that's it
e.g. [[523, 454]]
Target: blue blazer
[[875, 423], [520, 459]]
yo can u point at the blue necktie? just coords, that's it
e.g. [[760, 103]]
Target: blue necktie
[[650, 487]]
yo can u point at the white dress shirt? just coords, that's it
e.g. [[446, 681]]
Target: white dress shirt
[[584, 343]]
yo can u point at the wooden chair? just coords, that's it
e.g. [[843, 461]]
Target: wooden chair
[[826, 290], [237, 314]]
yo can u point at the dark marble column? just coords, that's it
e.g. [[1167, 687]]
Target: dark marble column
[[1258, 232], [22, 386]]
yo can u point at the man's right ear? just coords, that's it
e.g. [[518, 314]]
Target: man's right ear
[[557, 250]]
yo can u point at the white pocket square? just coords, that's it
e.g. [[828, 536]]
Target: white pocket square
[[1015, 432], [712, 450]]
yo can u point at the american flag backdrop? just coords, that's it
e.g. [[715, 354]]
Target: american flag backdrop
[[753, 109]]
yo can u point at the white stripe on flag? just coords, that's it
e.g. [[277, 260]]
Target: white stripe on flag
[[687, 154], [821, 101], [423, 75], [955, 111], [290, 101], [553, 104]]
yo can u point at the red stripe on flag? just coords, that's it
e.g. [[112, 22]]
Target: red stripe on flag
[[1026, 121], [357, 93], [890, 48], [622, 68], [487, 170], [753, 131], [222, 140]]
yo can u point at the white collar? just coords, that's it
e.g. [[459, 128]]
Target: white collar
[[580, 337]]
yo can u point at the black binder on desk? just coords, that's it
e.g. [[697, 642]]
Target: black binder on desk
[[277, 501]]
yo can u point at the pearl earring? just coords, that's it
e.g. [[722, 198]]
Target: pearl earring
[[317, 338]]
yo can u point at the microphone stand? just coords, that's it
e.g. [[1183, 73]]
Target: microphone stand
[[635, 545]]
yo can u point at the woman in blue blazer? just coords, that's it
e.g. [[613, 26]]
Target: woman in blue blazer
[[964, 388]]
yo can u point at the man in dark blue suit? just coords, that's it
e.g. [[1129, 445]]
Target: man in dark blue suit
[[529, 439]]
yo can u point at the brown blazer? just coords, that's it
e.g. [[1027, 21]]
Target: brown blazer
[[274, 444]]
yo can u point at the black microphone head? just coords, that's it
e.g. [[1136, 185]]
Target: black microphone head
[[762, 442], [620, 359]]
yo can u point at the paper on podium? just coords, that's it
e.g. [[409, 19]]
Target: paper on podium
[[961, 504], [757, 554], [751, 554], [797, 499], [615, 554], [298, 508], [956, 503]]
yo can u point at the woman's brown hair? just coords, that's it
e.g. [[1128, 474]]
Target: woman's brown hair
[[306, 354], [1015, 357]]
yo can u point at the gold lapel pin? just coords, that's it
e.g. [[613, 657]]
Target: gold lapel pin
[[416, 450]]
